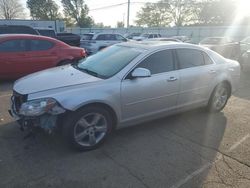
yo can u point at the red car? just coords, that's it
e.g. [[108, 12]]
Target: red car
[[24, 54]]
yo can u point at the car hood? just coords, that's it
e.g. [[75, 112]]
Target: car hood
[[52, 79]]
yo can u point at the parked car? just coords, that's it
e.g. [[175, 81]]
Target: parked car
[[22, 54], [125, 84], [92, 43], [224, 46], [132, 35], [182, 38], [17, 29], [245, 45], [146, 36], [245, 61], [69, 38]]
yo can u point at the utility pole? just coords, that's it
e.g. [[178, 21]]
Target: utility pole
[[128, 13]]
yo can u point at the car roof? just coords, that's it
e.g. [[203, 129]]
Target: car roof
[[151, 45], [27, 36]]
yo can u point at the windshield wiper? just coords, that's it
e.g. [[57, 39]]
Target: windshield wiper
[[93, 73]]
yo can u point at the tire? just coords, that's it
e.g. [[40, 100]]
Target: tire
[[64, 62], [219, 98], [87, 128]]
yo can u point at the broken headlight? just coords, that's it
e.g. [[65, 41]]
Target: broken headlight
[[41, 106]]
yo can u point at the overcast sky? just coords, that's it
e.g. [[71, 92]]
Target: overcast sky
[[110, 16]]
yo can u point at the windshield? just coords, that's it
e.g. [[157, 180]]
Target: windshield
[[109, 61], [47, 33], [145, 35]]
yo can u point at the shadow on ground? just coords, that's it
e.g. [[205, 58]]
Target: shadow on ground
[[153, 154]]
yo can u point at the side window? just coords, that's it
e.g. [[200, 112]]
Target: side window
[[101, 37], [38, 45], [159, 62], [119, 37], [112, 37], [150, 36], [13, 46], [207, 59], [188, 58]]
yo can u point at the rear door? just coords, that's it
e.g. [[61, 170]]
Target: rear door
[[197, 72], [13, 56], [151, 95]]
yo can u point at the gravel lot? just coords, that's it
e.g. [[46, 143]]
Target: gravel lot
[[192, 149]]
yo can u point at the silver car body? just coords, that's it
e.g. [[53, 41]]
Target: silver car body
[[134, 100]]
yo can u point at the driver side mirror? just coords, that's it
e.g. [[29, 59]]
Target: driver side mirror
[[141, 73]]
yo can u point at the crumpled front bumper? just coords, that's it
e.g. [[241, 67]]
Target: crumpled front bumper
[[47, 122]]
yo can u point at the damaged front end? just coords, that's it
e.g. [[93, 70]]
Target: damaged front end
[[41, 113]]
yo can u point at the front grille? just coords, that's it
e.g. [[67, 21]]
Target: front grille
[[18, 99]]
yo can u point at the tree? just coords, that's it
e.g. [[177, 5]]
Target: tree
[[120, 25], [164, 12], [43, 9], [10, 9], [217, 12], [183, 12], [154, 14], [78, 10]]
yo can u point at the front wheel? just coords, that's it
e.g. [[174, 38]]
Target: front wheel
[[219, 98], [87, 128]]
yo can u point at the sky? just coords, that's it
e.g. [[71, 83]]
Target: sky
[[109, 16]]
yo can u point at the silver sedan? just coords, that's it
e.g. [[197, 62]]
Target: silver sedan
[[123, 85]]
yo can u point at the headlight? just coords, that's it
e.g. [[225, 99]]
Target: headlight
[[40, 106]]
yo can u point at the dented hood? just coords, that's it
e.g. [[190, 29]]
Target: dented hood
[[51, 79]]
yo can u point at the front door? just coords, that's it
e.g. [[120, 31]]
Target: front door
[[151, 95]]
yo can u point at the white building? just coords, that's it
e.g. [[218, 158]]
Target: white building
[[57, 25]]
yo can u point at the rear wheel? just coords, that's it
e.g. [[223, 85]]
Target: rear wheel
[[87, 128], [219, 98]]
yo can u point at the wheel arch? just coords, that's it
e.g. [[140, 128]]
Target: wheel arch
[[225, 81], [107, 107]]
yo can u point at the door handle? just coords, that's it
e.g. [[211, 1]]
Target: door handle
[[212, 71], [171, 79]]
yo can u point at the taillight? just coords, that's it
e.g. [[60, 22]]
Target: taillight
[[83, 53]]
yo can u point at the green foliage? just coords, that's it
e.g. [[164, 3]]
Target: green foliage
[[43, 9], [217, 12], [154, 14], [188, 12], [77, 10]]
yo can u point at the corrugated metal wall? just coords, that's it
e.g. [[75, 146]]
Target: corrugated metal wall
[[195, 33]]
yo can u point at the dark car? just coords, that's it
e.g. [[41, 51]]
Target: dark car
[[69, 38], [17, 29], [224, 46]]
